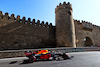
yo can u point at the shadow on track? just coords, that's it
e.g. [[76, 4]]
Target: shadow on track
[[25, 62], [12, 62]]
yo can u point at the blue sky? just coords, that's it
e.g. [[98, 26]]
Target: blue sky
[[44, 10]]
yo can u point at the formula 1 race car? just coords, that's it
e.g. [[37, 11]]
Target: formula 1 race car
[[45, 55]]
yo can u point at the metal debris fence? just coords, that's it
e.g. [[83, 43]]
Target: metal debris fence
[[20, 53]]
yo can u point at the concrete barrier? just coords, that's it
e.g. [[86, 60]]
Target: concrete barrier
[[20, 53]]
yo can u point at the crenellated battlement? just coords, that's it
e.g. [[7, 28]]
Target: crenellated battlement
[[86, 25], [64, 6], [11, 19], [77, 21]]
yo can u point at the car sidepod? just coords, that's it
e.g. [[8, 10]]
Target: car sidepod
[[46, 56]]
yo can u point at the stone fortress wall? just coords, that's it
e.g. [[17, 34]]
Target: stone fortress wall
[[87, 30], [16, 33], [65, 29]]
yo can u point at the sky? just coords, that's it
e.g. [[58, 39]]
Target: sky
[[44, 10]]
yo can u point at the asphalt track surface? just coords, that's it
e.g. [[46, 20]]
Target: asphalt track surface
[[81, 59]]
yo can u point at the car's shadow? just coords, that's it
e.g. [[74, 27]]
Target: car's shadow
[[27, 61], [23, 62], [13, 62]]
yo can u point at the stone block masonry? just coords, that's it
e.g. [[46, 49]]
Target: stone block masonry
[[17, 33], [65, 29]]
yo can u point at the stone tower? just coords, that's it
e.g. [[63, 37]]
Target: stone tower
[[65, 30]]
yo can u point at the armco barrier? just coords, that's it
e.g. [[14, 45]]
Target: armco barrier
[[20, 53]]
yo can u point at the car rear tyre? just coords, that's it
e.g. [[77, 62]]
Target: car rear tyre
[[32, 59]]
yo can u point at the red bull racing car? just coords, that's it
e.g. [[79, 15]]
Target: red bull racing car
[[45, 55]]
